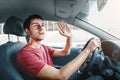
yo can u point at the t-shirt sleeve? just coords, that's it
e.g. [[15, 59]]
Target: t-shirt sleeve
[[50, 50], [31, 63]]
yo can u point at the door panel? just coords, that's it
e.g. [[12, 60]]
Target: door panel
[[60, 61]]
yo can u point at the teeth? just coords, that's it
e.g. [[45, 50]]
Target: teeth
[[41, 33]]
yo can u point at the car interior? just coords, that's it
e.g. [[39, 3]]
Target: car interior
[[9, 65], [104, 62]]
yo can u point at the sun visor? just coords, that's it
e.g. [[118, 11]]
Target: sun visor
[[68, 8]]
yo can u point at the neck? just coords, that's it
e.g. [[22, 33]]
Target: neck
[[34, 44]]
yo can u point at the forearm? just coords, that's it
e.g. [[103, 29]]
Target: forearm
[[74, 65], [66, 71], [67, 47]]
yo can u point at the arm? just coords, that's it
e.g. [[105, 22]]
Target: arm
[[51, 73], [65, 31]]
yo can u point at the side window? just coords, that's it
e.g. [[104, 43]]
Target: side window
[[4, 37], [53, 38]]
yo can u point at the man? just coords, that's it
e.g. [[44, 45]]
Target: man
[[35, 57]]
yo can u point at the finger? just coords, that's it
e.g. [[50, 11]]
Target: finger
[[60, 28], [61, 22], [98, 43], [95, 42], [60, 32], [64, 23], [98, 40]]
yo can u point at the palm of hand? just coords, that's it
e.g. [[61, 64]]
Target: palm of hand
[[64, 29]]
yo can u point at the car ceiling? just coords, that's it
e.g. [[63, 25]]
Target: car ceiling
[[48, 9]]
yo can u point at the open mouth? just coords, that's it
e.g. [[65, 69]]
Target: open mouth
[[42, 33]]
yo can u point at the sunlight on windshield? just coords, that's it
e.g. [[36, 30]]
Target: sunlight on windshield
[[108, 19], [53, 37]]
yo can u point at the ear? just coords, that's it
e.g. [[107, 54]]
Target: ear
[[27, 31]]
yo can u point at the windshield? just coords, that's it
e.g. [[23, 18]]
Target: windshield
[[108, 18]]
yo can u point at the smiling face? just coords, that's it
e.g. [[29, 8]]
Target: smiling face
[[36, 30]]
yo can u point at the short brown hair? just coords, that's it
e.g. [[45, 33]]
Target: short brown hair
[[27, 22]]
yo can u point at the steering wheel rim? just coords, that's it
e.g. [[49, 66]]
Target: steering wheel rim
[[91, 59]]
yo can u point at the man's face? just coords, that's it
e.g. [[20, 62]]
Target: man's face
[[36, 31]]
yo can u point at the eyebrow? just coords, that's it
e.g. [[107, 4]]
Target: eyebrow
[[37, 24], [34, 23]]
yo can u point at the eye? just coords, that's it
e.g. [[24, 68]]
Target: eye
[[35, 25]]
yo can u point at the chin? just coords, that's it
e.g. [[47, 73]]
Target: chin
[[41, 39]]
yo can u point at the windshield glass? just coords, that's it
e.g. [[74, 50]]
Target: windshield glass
[[53, 37], [108, 18]]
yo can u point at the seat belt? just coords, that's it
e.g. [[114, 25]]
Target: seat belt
[[45, 52]]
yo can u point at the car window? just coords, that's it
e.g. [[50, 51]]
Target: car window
[[4, 37], [108, 19], [53, 38]]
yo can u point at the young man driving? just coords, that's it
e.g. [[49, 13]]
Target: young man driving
[[35, 57]]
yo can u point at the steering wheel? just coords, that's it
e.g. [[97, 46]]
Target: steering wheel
[[91, 60]]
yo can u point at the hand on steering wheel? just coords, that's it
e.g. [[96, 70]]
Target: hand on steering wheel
[[93, 46]]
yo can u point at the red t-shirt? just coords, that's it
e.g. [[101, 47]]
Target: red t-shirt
[[33, 60]]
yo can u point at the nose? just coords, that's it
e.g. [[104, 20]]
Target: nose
[[40, 27]]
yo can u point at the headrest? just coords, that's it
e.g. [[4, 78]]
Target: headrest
[[14, 25]]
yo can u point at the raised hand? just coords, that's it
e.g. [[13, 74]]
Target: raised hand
[[64, 29]]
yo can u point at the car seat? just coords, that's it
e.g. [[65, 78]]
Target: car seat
[[9, 68]]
